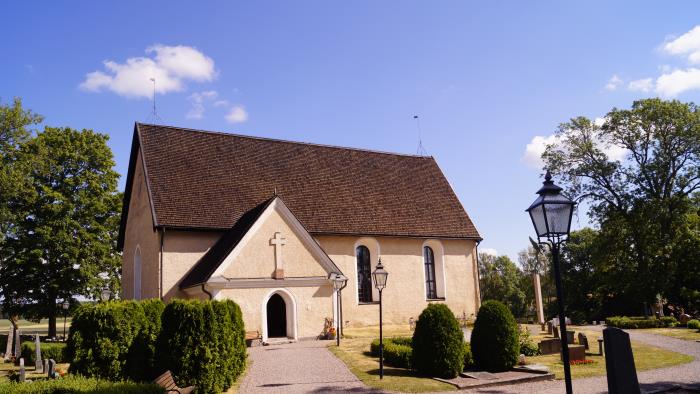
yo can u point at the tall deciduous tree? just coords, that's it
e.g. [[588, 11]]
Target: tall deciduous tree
[[64, 244], [500, 280], [639, 170]]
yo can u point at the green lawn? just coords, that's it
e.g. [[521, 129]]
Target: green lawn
[[41, 328], [354, 352], [645, 357], [675, 332]]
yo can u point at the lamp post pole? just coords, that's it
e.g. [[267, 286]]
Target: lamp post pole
[[65, 305], [339, 282], [562, 317], [380, 276]]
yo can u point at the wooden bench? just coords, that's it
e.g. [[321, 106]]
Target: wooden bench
[[252, 337], [167, 382]]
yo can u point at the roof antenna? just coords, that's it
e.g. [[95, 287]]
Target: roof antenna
[[421, 150], [275, 191], [154, 114]]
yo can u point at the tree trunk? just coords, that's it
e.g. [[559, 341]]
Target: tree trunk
[[52, 325], [13, 320]]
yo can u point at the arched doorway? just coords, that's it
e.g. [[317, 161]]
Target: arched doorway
[[276, 317]]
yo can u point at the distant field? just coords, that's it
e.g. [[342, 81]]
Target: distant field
[[41, 328]]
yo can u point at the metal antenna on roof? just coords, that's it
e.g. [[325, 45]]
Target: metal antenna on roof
[[421, 150], [275, 191], [154, 114]]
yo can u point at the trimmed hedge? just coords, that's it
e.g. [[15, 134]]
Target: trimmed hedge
[[693, 324], [78, 385], [468, 357], [626, 322], [495, 338], [102, 339], [56, 351], [202, 343], [438, 343], [140, 361], [397, 351]]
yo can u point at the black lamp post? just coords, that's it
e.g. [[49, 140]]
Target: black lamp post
[[65, 306], [339, 283], [551, 215], [379, 277]]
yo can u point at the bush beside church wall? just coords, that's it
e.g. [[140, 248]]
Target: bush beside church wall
[[201, 342]]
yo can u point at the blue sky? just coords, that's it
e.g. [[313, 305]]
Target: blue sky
[[484, 77]]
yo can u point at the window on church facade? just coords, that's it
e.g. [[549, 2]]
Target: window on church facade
[[364, 278], [430, 282]]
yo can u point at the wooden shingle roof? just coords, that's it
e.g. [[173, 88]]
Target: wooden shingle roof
[[209, 180]]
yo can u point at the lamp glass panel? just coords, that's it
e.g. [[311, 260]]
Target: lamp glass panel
[[558, 210], [537, 215]]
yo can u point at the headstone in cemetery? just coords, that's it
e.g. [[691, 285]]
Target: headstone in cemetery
[[542, 328], [600, 346], [549, 327], [556, 331], [550, 346], [570, 336], [594, 322], [52, 368], [8, 347], [38, 366], [22, 372], [45, 366], [555, 321], [619, 362], [683, 319], [577, 352], [583, 340]]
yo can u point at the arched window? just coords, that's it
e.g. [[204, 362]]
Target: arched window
[[430, 283], [137, 273], [364, 279]]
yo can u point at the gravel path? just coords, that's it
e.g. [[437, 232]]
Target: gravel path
[[686, 374], [302, 367]]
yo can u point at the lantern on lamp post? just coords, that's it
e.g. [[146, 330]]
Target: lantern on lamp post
[[339, 283], [551, 216], [379, 277]]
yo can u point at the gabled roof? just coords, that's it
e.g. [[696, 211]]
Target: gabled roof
[[214, 262], [209, 180]]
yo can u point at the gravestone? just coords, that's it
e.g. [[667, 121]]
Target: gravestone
[[583, 340], [577, 352], [600, 346], [8, 347], [45, 366], [22, 372], [556, 331], [619, 362], [550, 346], [549, 327], [52, 369], [38, 366], [683, 319], [570, 336]]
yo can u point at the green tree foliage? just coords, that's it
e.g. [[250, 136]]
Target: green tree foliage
[[202, 343], [438, 343], [64, 241], [495, 338], [640, 173], [501, 280]]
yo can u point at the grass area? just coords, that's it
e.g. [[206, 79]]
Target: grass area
[[675, 332], [645, 357], [41, 328], [354, 352], [5, 369]]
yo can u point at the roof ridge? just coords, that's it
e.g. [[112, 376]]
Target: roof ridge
[[283, 141]]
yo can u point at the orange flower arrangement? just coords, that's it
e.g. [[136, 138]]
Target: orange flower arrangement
[[582, 362]]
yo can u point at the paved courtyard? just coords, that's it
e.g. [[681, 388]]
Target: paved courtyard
[[302, 367], [308, 367]]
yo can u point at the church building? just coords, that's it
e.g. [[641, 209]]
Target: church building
[[266, 223]]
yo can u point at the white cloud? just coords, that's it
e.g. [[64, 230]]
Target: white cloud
[[237, 114], [489, 251], [535, 149], [687, 44], [613, 83], [197, 100], [641, 85], [171, 66], [678, 81]]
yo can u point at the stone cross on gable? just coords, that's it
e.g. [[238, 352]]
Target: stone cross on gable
[[277, 241]]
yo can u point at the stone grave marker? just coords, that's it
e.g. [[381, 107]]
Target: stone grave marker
[[549, 327], [52, 369], [550, 346], [619, 362], [570, 336], [8, 347], [45, 366], [583, 340], [577, 352], [556, 331], [22, 372], [600, 346], [38, 366]]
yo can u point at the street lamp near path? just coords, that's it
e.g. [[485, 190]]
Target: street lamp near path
[[551, 216], [339, 283], [379, 277], [65, 306]]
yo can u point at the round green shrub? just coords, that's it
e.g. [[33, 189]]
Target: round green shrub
[[438, 343], [468, 357], [693, 324], [495, 339], [54, 351]]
